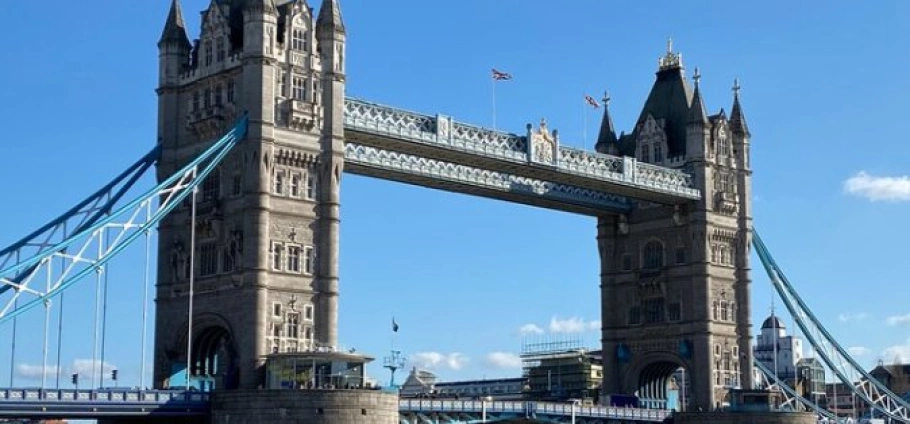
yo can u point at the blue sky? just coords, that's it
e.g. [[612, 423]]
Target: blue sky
[[823, 91]]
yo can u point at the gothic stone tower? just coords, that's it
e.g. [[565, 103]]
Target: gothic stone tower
[[675, 280], [266, 238]]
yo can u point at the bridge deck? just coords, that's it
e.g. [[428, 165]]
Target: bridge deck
[[443, 139]]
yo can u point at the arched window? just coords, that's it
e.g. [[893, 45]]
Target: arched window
[[645, 153], [653, 255]]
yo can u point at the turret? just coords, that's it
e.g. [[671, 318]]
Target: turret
[[606, 140], [737, 119], [260, 28], [330, 36], [173, 47], [697, 124]]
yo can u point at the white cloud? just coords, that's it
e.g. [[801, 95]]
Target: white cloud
[[858, 351], [572, 325], [455, 360], [897, 353], [81, 366], [530, 329], [847, 317], [504, 360], [898, 320], [34, 372], [878, 188]]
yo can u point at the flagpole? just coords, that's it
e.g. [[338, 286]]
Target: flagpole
[[494, 104], [584, 127]]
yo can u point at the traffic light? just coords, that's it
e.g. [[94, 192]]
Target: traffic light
[[76, 379], [114, 375]]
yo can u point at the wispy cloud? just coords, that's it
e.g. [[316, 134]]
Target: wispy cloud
[[437, 360], [530, 329], [858, 350], [847, 317], [898, 320], [504, 360], [572, 325], [82, 367], [897, 353], [878, 188]]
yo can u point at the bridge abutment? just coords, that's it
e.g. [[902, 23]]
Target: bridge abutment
[[304, 406]]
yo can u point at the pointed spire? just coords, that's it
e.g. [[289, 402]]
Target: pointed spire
[[737, 118], [606, 140], [697, 113], [175, 27], [330, 17]]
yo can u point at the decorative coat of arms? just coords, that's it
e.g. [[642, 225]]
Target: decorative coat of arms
[[544, 146]]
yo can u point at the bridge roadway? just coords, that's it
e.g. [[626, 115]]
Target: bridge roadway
[[117, 402], [439, 152]]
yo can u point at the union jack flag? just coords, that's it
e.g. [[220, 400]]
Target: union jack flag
[[591, 101], [497, 75]]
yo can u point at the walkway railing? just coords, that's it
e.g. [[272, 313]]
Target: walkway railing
[[443, 133], [531, 409], [101, 402]]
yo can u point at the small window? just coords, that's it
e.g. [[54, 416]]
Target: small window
[[211, 187], [717, 350], [308, 312], [230, 91], [308, 260], [298, 88], [283, 84], [310, 186], [208, 259], [207, 98], [276, 309], [294, 258], [196, 99], [645, 153], [298, 40], [219, 49], [208, 53], [236, 184], [658, 153], [279, 183], [277, 256], [295, 184], [293, 322], [308, 333], [674, 311], [654, 255], [627, 262], [218, 95]]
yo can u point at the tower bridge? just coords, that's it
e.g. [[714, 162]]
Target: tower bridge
[[248, 226]]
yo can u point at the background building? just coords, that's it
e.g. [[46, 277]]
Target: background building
[[774, 341], [562, 370], [811, 378]]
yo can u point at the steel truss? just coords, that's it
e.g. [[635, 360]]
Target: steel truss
[[102, 226], [791, 398], [866, 387]]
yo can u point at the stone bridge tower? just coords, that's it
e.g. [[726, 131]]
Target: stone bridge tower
[[675, 281], [266, 235]]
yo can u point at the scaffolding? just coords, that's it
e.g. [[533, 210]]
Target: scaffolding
[[557, 367]]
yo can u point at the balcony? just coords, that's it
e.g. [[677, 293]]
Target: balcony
[[210, 122]]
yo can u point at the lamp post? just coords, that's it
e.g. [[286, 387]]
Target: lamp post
[[483, 408], [575, 403]]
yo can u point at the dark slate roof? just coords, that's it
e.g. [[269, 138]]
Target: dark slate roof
[[773, 322], [329, 17], [175, 26], [697, 113], [669, 99], [737, 118], [607, 135]]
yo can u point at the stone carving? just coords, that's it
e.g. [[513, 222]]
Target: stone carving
[[544, 144], [235, 248], [178, 261]]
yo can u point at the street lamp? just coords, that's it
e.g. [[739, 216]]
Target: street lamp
[[575, 403], [483, 408]]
